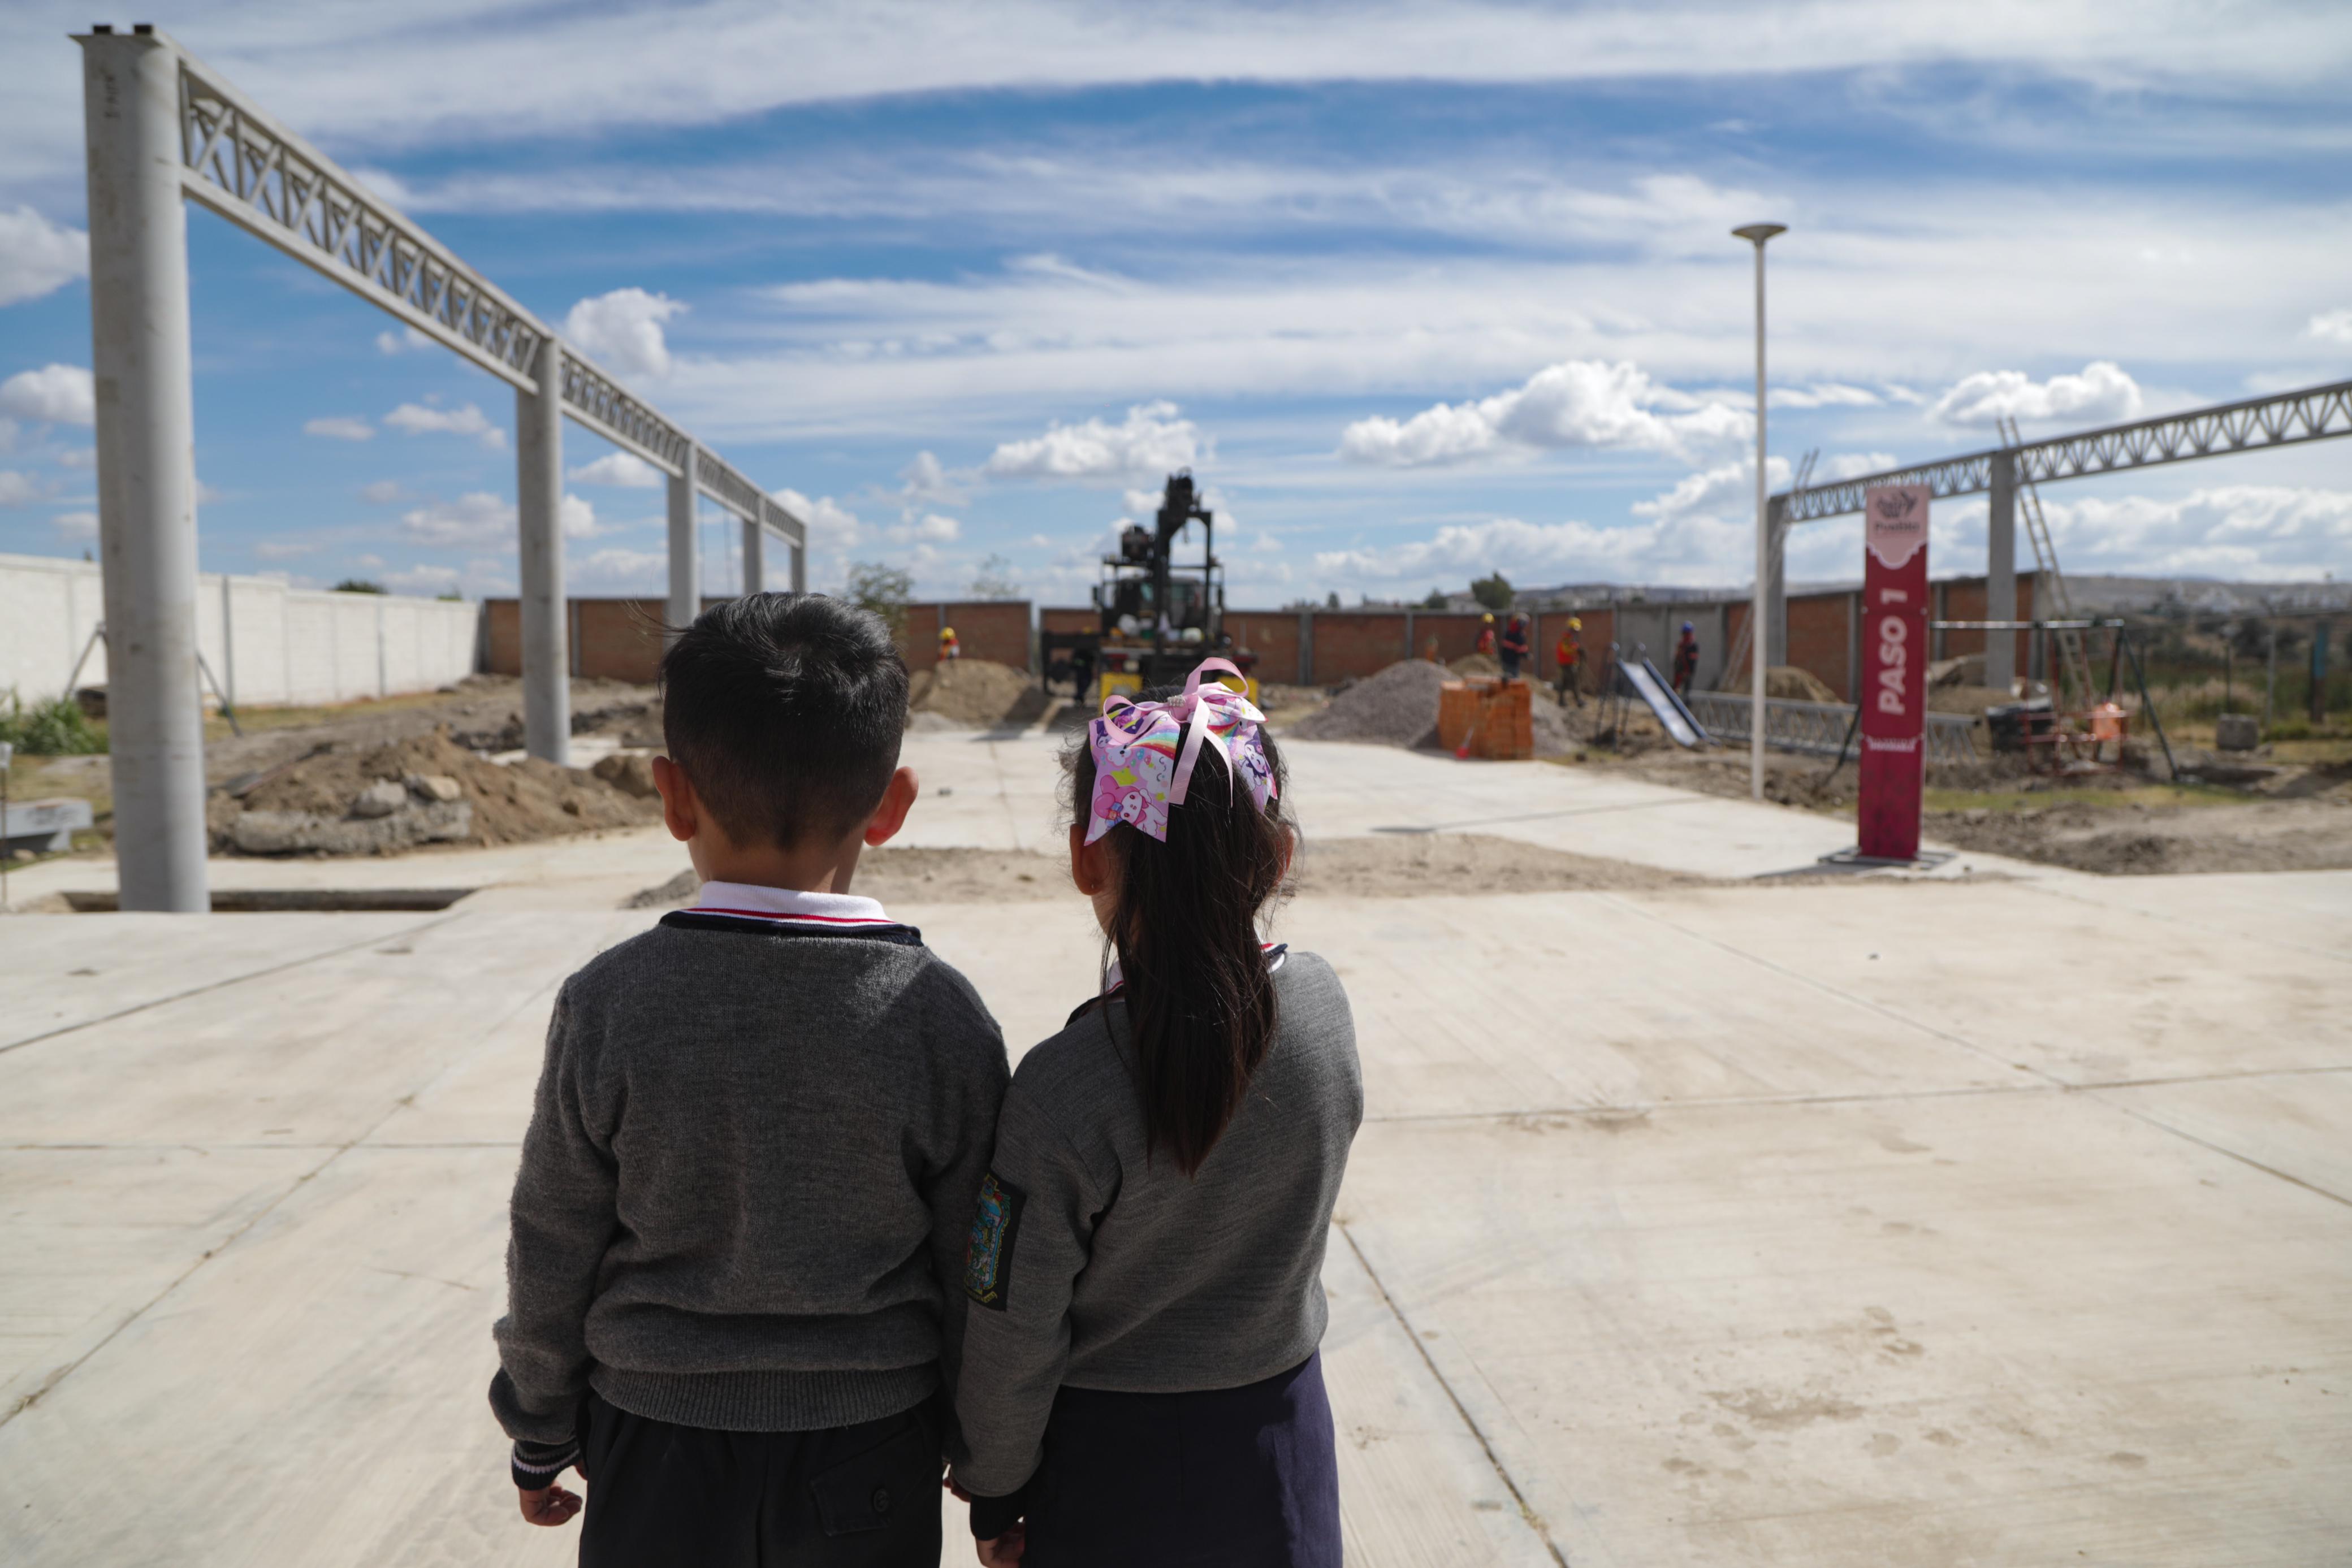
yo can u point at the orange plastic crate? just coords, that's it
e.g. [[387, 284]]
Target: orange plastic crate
[[1498, 717]]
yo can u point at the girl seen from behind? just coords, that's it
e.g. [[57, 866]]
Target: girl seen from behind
[[1140, 1382]]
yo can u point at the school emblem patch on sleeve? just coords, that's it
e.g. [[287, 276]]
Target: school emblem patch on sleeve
[[988, 1260]]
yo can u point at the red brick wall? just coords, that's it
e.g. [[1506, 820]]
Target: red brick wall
[[502, 637], [996, 629], [1273, 637], [1818, 640], [1083, 618], [1351, 644], [1456, 634]]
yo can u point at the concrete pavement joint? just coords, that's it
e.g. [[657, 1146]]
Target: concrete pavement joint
[[2059, 888], [335, 1152], [232, 980], [2217, 1148], [1745, 1101], [1527, 1509]]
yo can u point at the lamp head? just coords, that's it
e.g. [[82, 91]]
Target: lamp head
[[1757, 234]]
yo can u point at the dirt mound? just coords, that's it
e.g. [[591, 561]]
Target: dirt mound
[[1790, 684], [1477, 665], [506, 803], [1396, 707], [977, 691]]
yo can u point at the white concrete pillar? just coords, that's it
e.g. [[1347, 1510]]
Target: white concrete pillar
[[146, 466], [685, 550], [755, 557], [2000, 571], [538, 496], [800, 565]]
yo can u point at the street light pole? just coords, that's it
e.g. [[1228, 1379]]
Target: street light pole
[[1756, 234]]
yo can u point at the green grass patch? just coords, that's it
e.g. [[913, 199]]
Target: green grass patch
[[2026, 801], [56, 728]]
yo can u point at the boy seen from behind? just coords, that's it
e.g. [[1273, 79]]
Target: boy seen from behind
[[734, 1275]]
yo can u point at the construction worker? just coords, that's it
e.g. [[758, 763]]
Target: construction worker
[[1686, 659], [1516, 646], [1568, 662], [1487, 635], [949, 649]]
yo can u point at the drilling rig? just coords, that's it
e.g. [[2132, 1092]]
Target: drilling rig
[[1157, 616]]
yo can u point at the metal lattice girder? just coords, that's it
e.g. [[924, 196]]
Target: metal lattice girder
[[1820, 728], [264, 178], [2314, 413], [259, 175]]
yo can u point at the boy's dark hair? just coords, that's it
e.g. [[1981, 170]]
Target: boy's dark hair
[[785, 710], [1199, 999]]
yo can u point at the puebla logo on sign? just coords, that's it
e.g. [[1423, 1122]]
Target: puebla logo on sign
[[1896, 528]]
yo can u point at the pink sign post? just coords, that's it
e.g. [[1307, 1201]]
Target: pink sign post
[[1894, 691]]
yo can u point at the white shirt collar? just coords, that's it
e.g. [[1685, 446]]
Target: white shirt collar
[[752, 900]]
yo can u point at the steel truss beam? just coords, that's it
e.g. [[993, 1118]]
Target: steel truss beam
[[245, 166], [2314, 413]]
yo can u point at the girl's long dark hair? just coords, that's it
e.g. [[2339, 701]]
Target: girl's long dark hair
[[1200, 1003]]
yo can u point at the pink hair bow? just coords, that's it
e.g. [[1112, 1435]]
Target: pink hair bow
[[1145, 752]]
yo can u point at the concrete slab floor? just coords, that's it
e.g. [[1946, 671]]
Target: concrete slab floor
[[1682, 1230]]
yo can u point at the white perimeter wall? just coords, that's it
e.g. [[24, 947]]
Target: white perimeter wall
[[267, 644]]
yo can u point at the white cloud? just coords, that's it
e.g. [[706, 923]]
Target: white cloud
[[37, 256], [931, 529], [425, 580], [1688, 550], [1824, 394], [18, 490], [924, 480], [2229, 531], [335, 428], [623, 331], [579, 519], [2102, 394], [2331, 327], [831, 525], [477, 518], [406, 340], [384, 492], [623, 469], [54, 394], [1579, 403], [284, 549], [416, 419], [1152, 439], [8, 438], [647, 570], [73, 456], [1726, 491], [76, 525], [207, 495], [1854, 464]]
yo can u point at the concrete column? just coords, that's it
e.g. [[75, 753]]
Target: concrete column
[[685, 554], [755, 557], [2000, 571], [800, 568], [146, 466], [538, 496], [1776, 588]]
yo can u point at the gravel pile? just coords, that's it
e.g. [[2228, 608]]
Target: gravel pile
[[1396, 707], [976, 691]]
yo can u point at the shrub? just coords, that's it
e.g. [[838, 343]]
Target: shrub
[[56, 728]]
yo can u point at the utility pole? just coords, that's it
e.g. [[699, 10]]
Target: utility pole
[[1756, 234]]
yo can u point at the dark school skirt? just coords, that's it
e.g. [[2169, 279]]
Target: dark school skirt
[[1238, 1478]]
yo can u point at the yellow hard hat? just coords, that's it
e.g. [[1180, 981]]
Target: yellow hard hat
[[1490, 615], [946, 631], [1576, 624]]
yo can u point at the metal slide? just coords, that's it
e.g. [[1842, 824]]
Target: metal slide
[[1655, 690]]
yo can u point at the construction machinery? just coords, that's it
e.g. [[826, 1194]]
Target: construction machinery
[[1158, 617]]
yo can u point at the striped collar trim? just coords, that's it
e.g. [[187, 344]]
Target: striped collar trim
[[1275, 952], [788, 907]]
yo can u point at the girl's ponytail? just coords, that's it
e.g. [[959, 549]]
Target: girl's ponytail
[[1200, 1002]]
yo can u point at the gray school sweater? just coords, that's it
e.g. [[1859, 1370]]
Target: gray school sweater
[[1094, 1265], [748, 1181]]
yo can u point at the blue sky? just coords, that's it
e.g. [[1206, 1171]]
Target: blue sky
[[1418, 290]]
